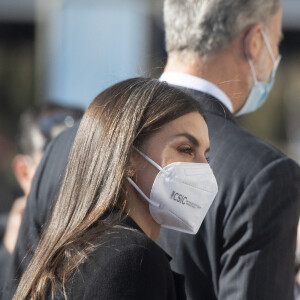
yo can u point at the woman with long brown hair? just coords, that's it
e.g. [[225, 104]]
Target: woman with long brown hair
[[99, 240]]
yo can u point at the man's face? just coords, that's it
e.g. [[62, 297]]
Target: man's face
[[265, 64]]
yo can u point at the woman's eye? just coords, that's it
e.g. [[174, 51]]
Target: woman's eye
[[187, 150]]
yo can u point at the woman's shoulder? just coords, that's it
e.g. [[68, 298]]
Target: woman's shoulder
[[128, 243], [127, 265]]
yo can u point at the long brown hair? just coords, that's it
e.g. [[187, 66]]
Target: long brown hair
[[122, 116]]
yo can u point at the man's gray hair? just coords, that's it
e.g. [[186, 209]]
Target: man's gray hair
[[209, 26]]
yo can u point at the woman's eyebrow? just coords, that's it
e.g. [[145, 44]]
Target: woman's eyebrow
[[189, 137]]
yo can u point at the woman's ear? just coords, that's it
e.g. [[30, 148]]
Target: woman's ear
[[254, 42], [132, 166], [130, 172]]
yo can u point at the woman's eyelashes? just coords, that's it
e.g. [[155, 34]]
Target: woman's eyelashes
[[191, 151], [186, 150]]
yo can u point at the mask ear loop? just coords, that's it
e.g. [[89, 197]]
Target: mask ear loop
[[142, 193], [135, 185], [149, 159], [277, 60], [268, 46]]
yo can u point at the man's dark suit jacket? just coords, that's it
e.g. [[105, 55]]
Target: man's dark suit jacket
[[245, 246]]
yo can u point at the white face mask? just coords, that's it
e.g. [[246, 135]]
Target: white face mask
[[181, 194], [260, 89]]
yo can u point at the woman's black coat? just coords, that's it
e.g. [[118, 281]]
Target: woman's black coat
[[126, 266]]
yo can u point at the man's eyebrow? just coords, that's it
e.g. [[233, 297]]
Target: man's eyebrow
[[189, 137]]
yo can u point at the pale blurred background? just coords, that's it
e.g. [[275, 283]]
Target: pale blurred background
[[68, 51]]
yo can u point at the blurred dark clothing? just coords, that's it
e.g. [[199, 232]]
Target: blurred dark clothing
[[3, 222], [7, 192], [4, 254], [245, 248], [5, 260]]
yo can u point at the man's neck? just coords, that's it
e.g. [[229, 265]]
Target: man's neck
[[221, 70]]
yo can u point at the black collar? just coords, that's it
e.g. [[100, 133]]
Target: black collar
[[209, 103], [129, 222]]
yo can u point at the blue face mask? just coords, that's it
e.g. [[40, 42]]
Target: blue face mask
[[261, 89]]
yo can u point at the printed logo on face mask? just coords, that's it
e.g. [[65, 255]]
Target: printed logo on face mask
[[183, 200], [178, 197]]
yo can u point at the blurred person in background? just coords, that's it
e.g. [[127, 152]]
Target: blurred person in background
[[245, 247], [37, 127]]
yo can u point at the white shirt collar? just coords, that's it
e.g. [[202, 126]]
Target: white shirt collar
[[198, 84]]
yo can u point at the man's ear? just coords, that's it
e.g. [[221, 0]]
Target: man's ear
[[23, 172], [253, 42]]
